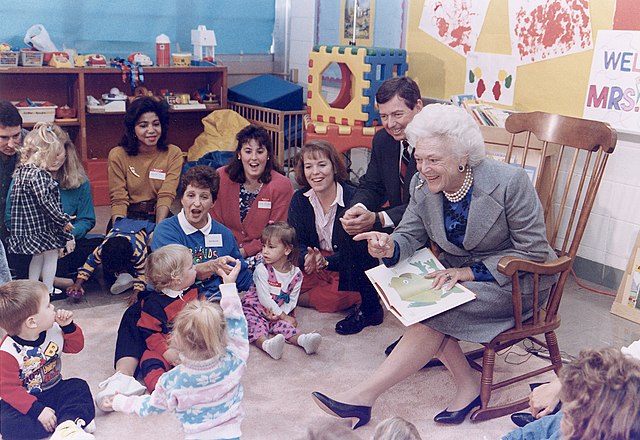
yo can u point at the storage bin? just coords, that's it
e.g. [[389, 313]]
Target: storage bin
[[32, 115], [8, 58], [31, 58]]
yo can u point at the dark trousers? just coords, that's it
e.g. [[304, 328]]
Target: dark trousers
[[67, 266], [356, 256], [70, 399], [130, 342]]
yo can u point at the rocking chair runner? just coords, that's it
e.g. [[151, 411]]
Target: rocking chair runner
[[580, 149]]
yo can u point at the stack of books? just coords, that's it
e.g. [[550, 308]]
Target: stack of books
[[484, 114]]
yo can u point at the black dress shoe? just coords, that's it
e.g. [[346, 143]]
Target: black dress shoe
[[457, 417], [356, 321], [360, 415], [390, 348], [522, 419]]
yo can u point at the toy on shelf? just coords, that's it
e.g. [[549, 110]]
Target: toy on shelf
[[205, 96], [31, 58], [181, 101], [131, 73], [163, 51], [181, 59], [57, 59], [140, 59], [112, 102], [8, 57], [203, 40], [36, 111], [142, 91], [91, 60], [65, 112]]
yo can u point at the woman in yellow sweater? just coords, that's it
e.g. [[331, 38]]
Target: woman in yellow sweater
[[144, 170]]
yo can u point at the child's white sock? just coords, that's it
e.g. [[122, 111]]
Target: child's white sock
[[310, 342], [274, 346]]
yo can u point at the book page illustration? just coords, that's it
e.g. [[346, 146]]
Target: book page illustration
[[409, 295]]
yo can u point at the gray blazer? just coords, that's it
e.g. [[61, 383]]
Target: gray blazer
[[505, 218]]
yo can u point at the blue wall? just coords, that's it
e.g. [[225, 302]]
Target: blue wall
[[120, 27]]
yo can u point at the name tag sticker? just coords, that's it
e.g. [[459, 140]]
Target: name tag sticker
[[264, 204], [213, 240], [157, 174]]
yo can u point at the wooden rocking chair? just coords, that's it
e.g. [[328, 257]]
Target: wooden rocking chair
[[573, 153]]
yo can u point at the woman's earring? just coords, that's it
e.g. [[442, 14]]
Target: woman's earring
[[461, 168]]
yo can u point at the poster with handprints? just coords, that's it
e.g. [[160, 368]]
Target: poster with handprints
[[545, 29], [490, 77], [456, 23], [410, 296]]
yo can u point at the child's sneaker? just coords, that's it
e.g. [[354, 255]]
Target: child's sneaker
[[274, 346], [120, 383], [123, 283], [68, 430], [57, 294], [310, 342]]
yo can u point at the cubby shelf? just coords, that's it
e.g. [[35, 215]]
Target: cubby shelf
[[95, 134]]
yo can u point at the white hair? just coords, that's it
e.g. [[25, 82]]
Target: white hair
[[454, 126]]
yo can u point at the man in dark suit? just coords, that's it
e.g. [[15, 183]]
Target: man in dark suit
[[10, 140], [383, 193]]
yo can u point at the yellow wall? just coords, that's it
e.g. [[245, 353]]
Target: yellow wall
[[558, 85]]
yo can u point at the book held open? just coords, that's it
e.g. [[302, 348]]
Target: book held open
[[407, 294]]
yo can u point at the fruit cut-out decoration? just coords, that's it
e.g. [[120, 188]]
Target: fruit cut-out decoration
[[480, 89], [497, 90]]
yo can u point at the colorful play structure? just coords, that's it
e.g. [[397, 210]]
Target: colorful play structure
[[351, 119]]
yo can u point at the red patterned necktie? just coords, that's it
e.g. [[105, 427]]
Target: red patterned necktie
[[404, 162]]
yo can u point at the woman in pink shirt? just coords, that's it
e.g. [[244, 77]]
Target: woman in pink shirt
[[253, 193]]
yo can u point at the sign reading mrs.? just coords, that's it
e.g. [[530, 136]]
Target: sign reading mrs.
[[613, 93]]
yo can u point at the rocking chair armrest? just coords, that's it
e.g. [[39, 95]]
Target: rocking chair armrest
[[510, 265]]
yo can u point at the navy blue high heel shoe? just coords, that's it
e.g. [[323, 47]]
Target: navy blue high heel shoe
[[359, 415], [457, 417]]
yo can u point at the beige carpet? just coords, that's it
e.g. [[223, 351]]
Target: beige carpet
[[277, 398]]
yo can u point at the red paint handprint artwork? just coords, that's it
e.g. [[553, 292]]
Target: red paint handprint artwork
[[544, 29], [456, 23]]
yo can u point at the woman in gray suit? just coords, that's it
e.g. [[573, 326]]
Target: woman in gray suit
[[477, 211]]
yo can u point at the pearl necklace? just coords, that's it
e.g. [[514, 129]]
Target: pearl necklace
[[464, 189]]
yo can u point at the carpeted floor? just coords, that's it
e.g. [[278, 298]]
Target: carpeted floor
[[277, 398]]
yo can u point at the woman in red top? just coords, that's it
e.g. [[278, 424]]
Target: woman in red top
[[252, 191]]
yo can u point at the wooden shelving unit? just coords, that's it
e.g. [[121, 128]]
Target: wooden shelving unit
[[95, 134]]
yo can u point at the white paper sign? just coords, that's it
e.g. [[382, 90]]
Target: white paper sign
[[490, 77], [613, 92]]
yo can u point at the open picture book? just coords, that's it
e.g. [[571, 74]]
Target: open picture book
[[407, 294]]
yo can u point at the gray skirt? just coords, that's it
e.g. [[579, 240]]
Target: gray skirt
[[487, 316]]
